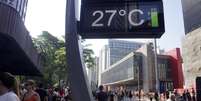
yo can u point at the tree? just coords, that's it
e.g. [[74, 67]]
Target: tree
[[60, 62], [53, 53], [88, 57], [51, 49]]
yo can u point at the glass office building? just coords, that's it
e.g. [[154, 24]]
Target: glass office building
[[114, 51], [137, 70], [124, 70], [129, 71], [119, 48]]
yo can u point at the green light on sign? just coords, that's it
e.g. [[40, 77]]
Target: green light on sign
[[154, 18]]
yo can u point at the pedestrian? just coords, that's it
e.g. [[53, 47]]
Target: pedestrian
[[156, 96], [42, 92], [167, 94], [101, 95], [130, 95], [50, 93], [177, 96], [56, 96], [9, 90], [31, 95], [111, 96], [184, 95], [193, 95], [172, 97], [150, 96], [188, 95]]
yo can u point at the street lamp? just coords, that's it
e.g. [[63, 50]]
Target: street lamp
[[156, 64]]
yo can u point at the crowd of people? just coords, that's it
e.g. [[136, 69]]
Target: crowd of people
[[11, 90], [129, 95]]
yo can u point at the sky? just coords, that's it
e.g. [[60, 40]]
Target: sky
[[49, 15]]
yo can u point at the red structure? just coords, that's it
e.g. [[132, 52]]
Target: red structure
[[176, 67]]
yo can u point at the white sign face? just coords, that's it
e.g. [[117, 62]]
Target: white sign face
[[11, 3]]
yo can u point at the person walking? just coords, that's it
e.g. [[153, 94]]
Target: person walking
[[130, 95], [31, 95], [101, 95], [156, 96], [184, 96], [167, 94], [188, 95], [193, 95], [9, 90], [42, 92], [111, 95]]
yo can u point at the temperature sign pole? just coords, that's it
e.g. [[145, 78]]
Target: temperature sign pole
[[122, 19], [76, 74]]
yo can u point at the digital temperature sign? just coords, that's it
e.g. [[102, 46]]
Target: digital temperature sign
[[122, 20]]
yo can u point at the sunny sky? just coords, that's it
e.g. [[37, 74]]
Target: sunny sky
[[49, 15]]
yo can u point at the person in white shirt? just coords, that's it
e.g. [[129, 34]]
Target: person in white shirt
[[9, 96], [7, 87]]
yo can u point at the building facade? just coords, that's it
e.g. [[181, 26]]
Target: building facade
[[191, 44], [119, 48], [191, 53], [137, 71], [113, 52], [18, 55]]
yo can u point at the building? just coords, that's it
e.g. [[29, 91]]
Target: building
[[192, 15], [119, 48], [18, 55], [136, 71], [175, 60], [113, 52], [191, 44], [191, 53]]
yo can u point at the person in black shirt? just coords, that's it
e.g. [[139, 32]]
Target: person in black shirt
[[42, 92], [101, 95], [188, 95]]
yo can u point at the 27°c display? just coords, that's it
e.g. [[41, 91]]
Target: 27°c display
[[122, 20]]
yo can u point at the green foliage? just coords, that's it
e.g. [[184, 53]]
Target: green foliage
[[88, 58], [53, 53], [88, 55]]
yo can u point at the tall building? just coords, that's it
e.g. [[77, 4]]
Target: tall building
[[113, 52], [191, 44], [192, 15], [119, 48], [137, 71], [18, 55]]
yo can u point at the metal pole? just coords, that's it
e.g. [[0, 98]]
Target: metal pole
[[156, 64], [139, 91], [79, 84]]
